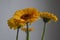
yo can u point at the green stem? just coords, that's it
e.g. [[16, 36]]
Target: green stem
[[17, 34], [27, 37], [43, 31]]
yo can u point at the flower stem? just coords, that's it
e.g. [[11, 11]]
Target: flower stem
[[27, 37], [43, 31], [17, 33]]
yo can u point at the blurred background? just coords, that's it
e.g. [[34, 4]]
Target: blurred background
[[8, 7]]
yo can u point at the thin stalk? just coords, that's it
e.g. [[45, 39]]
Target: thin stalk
[[27, 33], [17, 34], [42, 38]]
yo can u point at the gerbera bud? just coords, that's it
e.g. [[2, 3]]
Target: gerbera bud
[[25, 29]]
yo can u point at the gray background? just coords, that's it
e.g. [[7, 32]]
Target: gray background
[[8, 7]]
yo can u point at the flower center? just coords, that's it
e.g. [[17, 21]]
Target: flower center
[[26, 16]]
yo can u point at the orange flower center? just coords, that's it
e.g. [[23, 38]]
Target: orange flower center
[[26, 16]]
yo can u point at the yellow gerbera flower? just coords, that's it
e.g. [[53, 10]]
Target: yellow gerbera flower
[[25, 29], [28, 14], [13, 23], [48, 16]]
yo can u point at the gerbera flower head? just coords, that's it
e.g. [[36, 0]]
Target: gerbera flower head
[[13, 23], [48, 16], [27, 14]]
